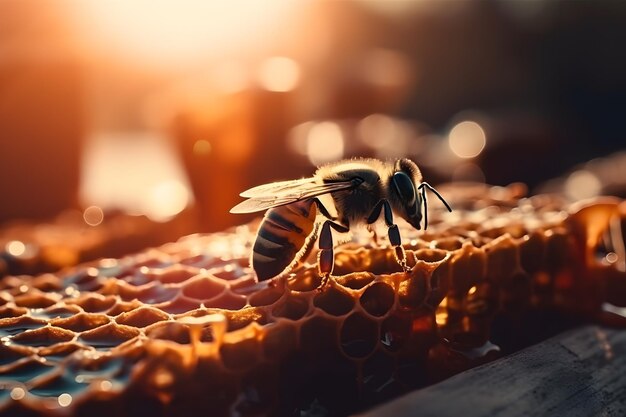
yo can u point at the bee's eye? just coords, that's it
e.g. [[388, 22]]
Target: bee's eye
[[404, 187]]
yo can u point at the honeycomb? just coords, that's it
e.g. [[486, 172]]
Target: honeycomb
[[185, 329]]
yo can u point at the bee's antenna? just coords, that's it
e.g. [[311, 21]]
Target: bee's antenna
[[425, 206], [423, 187]]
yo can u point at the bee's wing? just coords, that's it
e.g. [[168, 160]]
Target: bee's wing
[[287, 193], [272, 188]]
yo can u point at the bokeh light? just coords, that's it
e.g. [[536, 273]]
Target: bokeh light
[[165, 200], [467, 139], [93, 215], [65, 400], [279, 74], [582, 184], [16, 248], [325, 143]]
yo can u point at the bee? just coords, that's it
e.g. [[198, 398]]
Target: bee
[[359, 189]]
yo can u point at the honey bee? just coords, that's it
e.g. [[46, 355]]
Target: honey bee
[[360, 190]]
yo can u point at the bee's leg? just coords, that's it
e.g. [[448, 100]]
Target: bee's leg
[[394, 232], [326, 256], [323, 210]]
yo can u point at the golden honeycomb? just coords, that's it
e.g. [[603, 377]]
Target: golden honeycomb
[[185, 329]]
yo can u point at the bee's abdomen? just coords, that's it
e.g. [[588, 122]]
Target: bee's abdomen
[[283, 232]]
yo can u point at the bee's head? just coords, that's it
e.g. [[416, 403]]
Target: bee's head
[[403, 188]]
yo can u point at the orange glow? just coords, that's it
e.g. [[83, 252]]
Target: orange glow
[[137, 173], [165, 200], [467, 139], [93, 215], [325, 143], [177, 32], [279, 74]]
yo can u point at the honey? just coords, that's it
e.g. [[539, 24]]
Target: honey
[[186, 329]]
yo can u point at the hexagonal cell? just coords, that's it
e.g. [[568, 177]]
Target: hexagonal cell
[[228, 301], [36, 299], [180, 305], [356, 280], [265, 297], [334, 301], [378, 299], [10, 311], [142, 317], [359, 335], [157, 293], [175, 274], [44, 336], [171, 330], [94, 302], [47, 283], [81, 322], [292, 307], [203, 288], [60, 351], [57, 311], [108, 336], [14, 325]]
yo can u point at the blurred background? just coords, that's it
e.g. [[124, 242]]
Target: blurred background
[[125, 124]]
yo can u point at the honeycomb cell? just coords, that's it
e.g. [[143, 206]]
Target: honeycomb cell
[[35, 300], [378, 299], [357, 280], [94, 302], [359, 336], [60, 351], [15, 325], [228, 301], [175, 274], [59, 310], [108, 336], [141, 317], [265, 297], [173, 331], [203, 288], [43, 336], [155, 294], [292, 307], [334, 301], [11, 311], [81, 322], [180, 305]]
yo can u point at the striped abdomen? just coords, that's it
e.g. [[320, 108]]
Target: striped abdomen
[[282, 234]]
